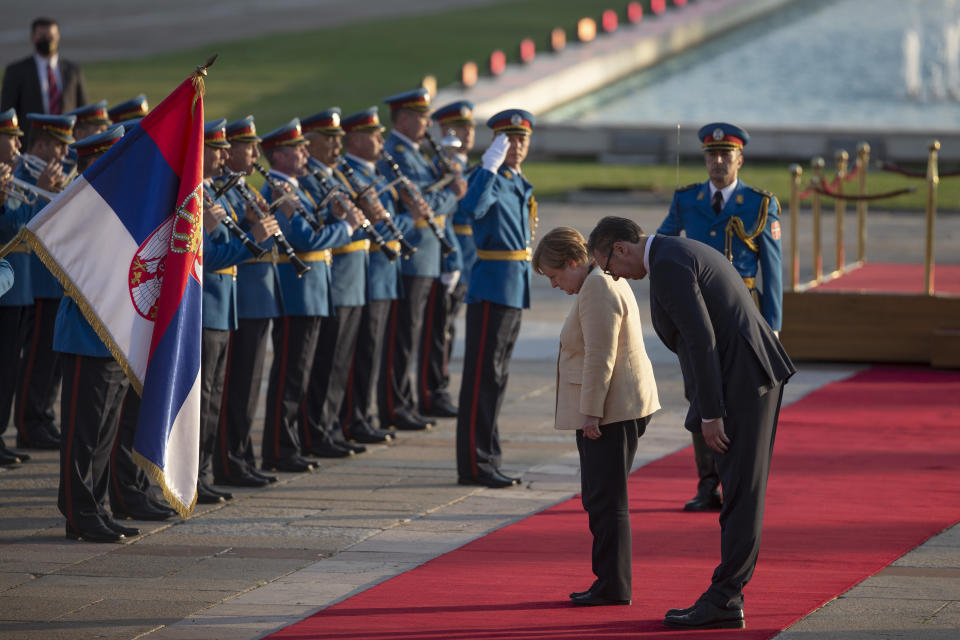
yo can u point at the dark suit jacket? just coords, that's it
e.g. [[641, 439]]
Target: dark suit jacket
[[21, 88], [703, 312]]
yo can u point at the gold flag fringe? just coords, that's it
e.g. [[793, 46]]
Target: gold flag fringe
[[156, 474]]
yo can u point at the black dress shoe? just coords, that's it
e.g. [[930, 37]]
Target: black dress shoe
[[494, 480], [226, 495], [8, 458], [40, 439], [704, 615], [144, 511], [329, 450], [243, 480], [257, 474], [96, 533], [705, 501], [589, 599], [364, 433], [349, 446], [294, 464], [127, 532], [441, 407], [421, 418], [404, 422], [206, 496]]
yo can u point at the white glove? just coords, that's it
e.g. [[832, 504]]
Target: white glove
[[450, 280], [496, 153]]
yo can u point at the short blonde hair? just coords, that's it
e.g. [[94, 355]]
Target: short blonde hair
[[559, 247]]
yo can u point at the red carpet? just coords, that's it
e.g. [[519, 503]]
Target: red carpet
[[896, 278], [863, 471]]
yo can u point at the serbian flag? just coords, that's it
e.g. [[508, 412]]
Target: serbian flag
[[124, 239]]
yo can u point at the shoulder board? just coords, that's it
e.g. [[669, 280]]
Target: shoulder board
[[762, 192], [688, 187], [400, 148]]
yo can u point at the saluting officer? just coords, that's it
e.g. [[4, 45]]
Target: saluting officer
[[363, 144], [259, 302], [320, 428], [409, 113], [743, 223], [306, 300], [503, 215], [448, 292], [16, 303], [39, 374]]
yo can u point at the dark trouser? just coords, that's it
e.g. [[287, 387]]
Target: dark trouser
[[401, 347], [294, 346], [360, 401], [213, 367], [435, 345], [492, 330], [14, 326], [320, 409], [90, 408], [39, 373], [706, 461], [744, 469], [129, 484], [241, 395], [604, 467]]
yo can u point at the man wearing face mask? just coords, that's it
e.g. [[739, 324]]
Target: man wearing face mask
[[43, 82]]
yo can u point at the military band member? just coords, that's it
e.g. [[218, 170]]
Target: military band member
[[136, 107], [409, 114], [742, 222], [320, 427], [258, 303], [93, 394], [16, 303], [306, 300], [503, 214], [38, 384], [448, 292], [91, 120], [363, 144], [221, 254]]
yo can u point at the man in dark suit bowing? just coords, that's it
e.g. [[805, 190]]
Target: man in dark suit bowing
[[733, 370], [43, 82]]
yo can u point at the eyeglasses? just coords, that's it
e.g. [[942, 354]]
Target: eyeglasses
[[606, 269]]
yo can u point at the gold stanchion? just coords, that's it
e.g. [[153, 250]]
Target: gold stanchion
[[863, 161], [795, 172], [817, 164], [839, 207], [933, 177]]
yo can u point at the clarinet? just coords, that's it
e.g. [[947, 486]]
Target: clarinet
[[406, 249], [341, 198], [278, 238], [270, 180], [445, 247], [228, 222], [442, 158]]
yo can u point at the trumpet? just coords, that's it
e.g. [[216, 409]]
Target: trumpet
[[314, 223], [414, 193], [334, 191], [262, 211], [26, 192]]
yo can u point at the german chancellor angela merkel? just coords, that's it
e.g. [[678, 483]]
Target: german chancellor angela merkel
[[606, 392]]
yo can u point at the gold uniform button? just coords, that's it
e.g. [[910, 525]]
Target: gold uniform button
[[713, 233]]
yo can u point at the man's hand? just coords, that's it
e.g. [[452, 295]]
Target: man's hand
[[591, 427], [263, 229], [289, 206], [459, 187], [714, 435], [251, 214], [5, 175], [353, 216], [212, 215], [52, 178], [496, 153]]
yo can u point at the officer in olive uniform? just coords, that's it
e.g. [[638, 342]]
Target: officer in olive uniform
[[306, 299], [363, 144], [16, 303], [38, 383], [409, 113], [503, 214], [743, 223]]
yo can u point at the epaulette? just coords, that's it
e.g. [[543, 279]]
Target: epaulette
[[688, 187], [762, 192], [399, 148]]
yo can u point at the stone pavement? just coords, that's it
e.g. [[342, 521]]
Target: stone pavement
[[274, 555]]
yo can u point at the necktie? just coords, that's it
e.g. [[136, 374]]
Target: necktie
[[717, 202], [53, 92]]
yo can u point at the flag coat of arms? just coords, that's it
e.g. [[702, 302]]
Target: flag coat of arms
[[124, 239]]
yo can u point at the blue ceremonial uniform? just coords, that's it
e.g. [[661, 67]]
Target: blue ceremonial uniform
[[13, 215], [42, 283], [6, 276], [221, 253], [759, 213], [462, 227], [73, 334], [502, 212]]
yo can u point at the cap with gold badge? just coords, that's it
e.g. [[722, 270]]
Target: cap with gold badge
[[512, 121], [722, 135]]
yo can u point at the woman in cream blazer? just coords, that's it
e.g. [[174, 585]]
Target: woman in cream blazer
[[606, 392]]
